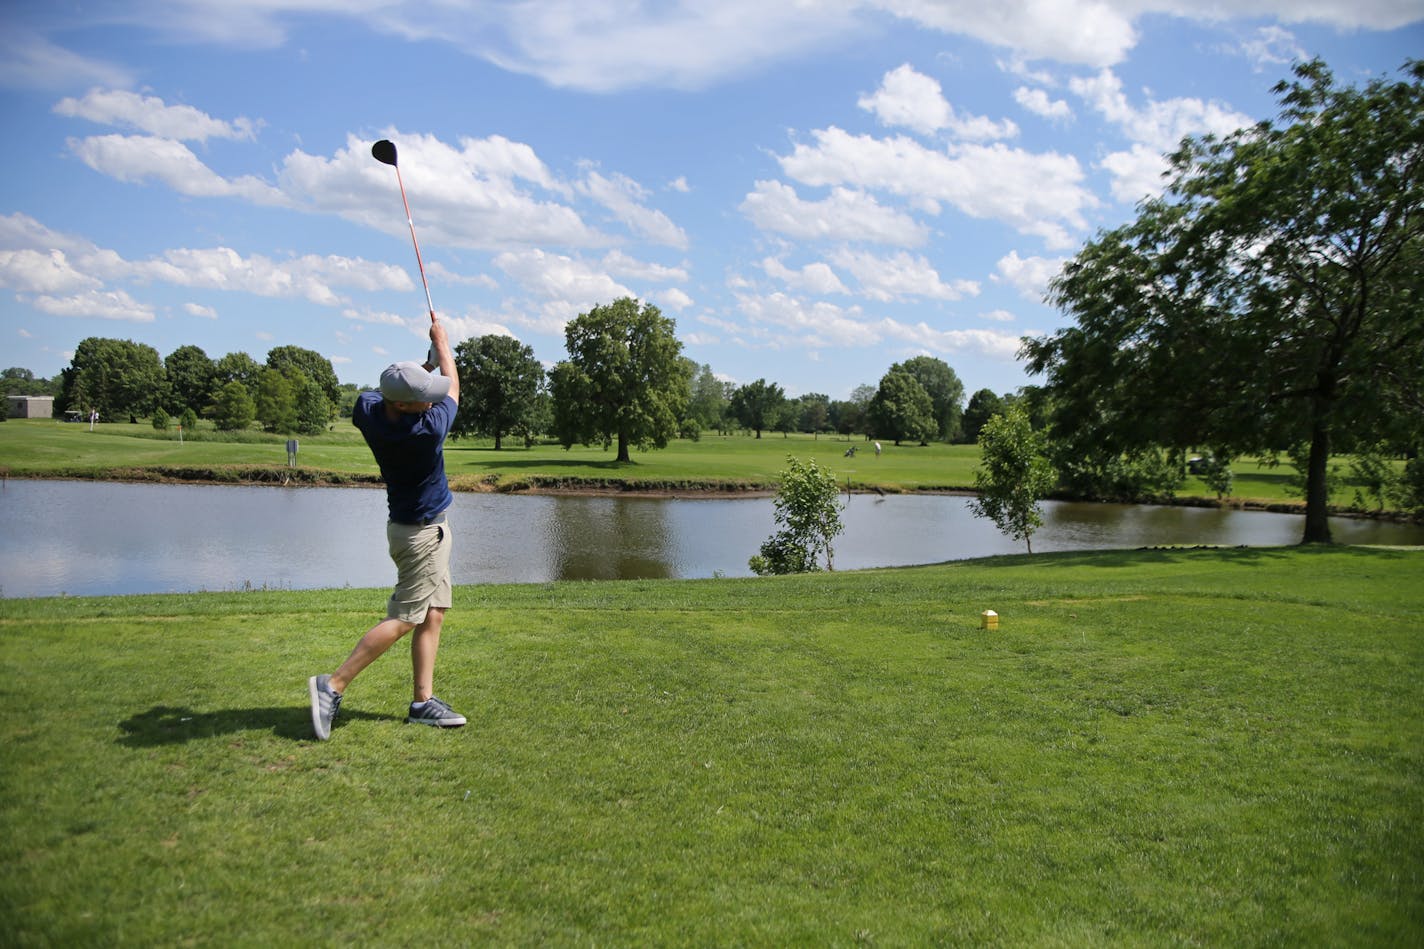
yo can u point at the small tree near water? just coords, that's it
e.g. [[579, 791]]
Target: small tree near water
[[1014, 476], [808, 515]]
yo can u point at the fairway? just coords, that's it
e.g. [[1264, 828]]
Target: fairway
[[1155, 748]]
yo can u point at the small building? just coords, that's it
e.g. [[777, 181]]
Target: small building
[[30, 406]]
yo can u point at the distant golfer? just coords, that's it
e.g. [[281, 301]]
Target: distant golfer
[[405, 425]]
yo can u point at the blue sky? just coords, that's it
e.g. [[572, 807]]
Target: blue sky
[[812, 190]]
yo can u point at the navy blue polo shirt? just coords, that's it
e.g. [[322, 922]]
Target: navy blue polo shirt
[[411, 456]]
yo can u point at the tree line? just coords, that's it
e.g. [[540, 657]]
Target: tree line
[[624, 384], [295, 392]]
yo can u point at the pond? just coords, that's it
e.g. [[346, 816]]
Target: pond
[[92, 538]]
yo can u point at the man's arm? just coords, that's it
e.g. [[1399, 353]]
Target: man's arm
[[445, 359]]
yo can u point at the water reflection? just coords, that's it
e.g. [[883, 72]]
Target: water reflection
[[89, 538]]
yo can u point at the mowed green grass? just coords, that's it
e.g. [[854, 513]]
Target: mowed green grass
[[36, 448], [1155, 748]]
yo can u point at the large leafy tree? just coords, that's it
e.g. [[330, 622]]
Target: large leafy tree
[[276, 402], [237, 367], [116, 376], [1269, 299], [757, 405], [902, 410], [625, 380], [945, 390], [234, 409], [983, 405], [710, 397], [191, 377], [499, 387], [291, 360]]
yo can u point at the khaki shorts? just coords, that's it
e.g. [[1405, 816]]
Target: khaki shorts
[[422, 558]]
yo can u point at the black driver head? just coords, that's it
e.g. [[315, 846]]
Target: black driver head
[[384, 152]]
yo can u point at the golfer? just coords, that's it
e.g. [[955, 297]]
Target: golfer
[[405, 426]]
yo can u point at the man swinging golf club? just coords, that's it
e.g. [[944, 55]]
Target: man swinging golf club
[[405, 425]]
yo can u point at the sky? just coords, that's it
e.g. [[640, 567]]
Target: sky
[[813, 190]]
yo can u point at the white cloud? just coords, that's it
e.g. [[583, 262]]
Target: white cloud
[[998, 316], [624, 197], [900, 277], [97, 304], [673, 299], [1136, 173], [846, 214], [1154, 129], [42, 271], [487, 194], [563, 280], [1029, 275], [679, 184], [1271, 47], [790, 322], [52, 263], [29, 60], [1035, 193], [610, 45], [622, 265], [915, 101], [1038, 102], [197, 309], [817, 278], [151, 115], [990, 344], [136, 158]]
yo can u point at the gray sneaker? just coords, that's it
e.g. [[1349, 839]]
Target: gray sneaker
[[436, 713], [324, 705]]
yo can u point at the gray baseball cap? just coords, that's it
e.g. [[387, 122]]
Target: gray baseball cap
[[409, 382]]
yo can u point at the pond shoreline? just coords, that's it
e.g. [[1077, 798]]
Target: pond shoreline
[[262, 475]]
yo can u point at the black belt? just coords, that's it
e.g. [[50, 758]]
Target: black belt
[[427, 522]]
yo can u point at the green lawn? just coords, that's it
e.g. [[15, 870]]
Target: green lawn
[[1156, 748], [46, 448]]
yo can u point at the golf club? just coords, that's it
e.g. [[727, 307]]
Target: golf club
[[384, 152]]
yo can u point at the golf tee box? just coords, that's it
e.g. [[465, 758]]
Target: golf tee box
[[988, 620]]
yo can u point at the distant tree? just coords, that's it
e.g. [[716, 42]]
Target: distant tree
[[539, 420], [188, 421], [161, 420], [500, 382], [313, 410], [756, 404], [814, 413], [20, 381], [624, 382], [234, 410], [1014, 475], [350, 392], [710, 397], [191, 378], [116, 376], [236, 367], [902, 410], [1269, 298], [983, 405], [945, 390], [807, 511], [289, 360], [276, 402]]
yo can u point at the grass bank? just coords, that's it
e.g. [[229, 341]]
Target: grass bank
[[715, 463], [1155, 748]]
